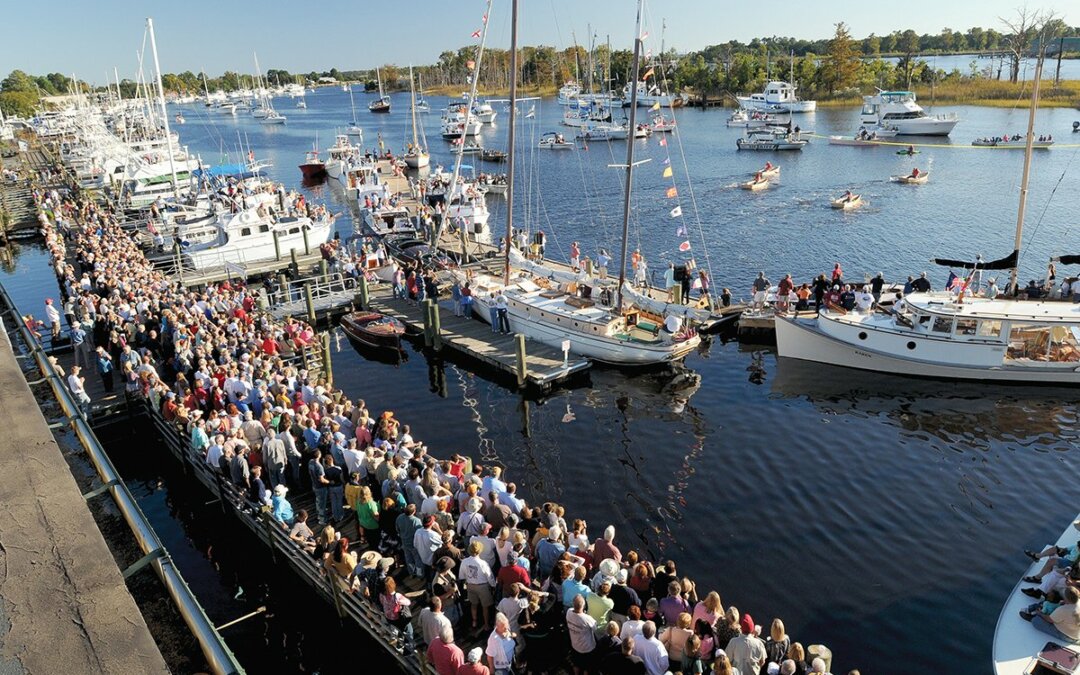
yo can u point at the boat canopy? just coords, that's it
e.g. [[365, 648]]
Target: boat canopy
[[222, 170], [1006, 263]]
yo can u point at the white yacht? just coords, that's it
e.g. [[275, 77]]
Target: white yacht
[[777, 95], [249, 235], [484, 112], [649, 96], [898, 109], [340, 156], [568, 92]]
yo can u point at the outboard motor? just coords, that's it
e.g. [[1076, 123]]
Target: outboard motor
[[1076, 126]]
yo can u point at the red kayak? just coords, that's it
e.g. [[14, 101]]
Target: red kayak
[[373, 329]]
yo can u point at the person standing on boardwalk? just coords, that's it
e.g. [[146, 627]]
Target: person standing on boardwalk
[[105, 369], [80, 341], [75, 384], [53, 316]]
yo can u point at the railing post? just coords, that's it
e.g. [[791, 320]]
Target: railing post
[[269, 523], [522, 365]]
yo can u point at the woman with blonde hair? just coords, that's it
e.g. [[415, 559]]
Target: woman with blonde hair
[[778, 642], [710, 609], [674, 638], [797, 654], [722, 666], [367, 515], [727, 627]]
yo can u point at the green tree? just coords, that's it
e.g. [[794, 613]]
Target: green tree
[[18, 81], [909, 47], [842, 66], [18, 103]]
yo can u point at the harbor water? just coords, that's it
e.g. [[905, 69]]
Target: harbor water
[[880, 516]]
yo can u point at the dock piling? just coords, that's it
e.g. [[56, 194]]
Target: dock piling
[[284, 295], [522, 364], [294, 266], [436, 325], [323, 270], [277, 246], [310, 303], [307, 246], [363, 295], [428, 339], [328, 369]]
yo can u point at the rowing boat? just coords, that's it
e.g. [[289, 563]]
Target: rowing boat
[[373, 329], [846, 202], [911, 180], [755, 185]]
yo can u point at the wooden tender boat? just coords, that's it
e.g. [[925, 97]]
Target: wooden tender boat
[[846, 202], [755, 185], [911, 180], [373, 329]]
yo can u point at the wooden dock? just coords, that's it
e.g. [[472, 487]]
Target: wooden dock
[[475, 339], [305, 262]]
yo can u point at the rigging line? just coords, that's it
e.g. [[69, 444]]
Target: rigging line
[[1046, 206]]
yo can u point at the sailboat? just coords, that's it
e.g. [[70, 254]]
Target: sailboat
[[564, 312], [421, 104], [353, 127], [416, 155], [381, 104], [265, 112], [949, 334]]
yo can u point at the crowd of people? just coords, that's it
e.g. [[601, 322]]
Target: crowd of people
[[533, 587]]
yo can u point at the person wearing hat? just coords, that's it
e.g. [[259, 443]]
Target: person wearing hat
[[53, 316], [281, 509], [622, 597], [76, 383], [472, 663], [746, 651]]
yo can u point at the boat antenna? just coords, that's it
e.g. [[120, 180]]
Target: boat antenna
[[635, 72], [1027, 170], [510, 141]]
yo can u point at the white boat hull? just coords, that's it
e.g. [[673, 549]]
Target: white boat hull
[[919, 126], [417, 161], [803, 339], [260, 246]]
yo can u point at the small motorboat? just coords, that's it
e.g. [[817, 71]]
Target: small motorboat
[[738, 118], [661, 124], [846, 201], [770, 170], [911, 179], [313, 167], [302, 104], [492, 155], [755, 184], [180, 118], [554, 141], [373, 329], [467, 148]]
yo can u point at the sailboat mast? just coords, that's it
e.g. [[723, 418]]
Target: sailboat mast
[[1027, 169], [164, 113], [412, 96], [632, 124], [510, 140]]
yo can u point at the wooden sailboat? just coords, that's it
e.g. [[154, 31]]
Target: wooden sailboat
[[381, 104], [417, 155]]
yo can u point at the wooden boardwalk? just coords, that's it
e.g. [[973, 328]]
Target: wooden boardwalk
[[474, 338], [306, 262]]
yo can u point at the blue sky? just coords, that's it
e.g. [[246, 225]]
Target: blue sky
[[90, 38]]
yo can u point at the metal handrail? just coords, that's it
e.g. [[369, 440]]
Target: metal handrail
[[217, 653]]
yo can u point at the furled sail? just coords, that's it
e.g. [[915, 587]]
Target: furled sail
[[1006, 263]]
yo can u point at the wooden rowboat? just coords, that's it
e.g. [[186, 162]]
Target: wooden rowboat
[[755, 185], [846, 203], [922, 178], [373, 329], [774, 172]]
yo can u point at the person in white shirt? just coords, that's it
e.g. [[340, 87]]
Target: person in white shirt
[[864, 300], [582, 630], [501, 647], [480, 582], [75, 383], [53, 315], [651, 651], [214, 452]]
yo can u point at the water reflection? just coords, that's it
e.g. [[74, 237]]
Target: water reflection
[[966, 416]]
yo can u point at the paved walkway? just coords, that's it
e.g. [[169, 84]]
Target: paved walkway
[[64, 607]]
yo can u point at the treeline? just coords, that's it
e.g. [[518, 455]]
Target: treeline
[[839, 65]]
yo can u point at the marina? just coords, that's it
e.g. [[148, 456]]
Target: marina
[[429, 300]]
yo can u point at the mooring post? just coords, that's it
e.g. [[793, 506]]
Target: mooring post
[[295, 266], [277, 246], [522, 366], [436, 325], [283, 289], [327, 366], [362, 296], [323, 269], [310, 303], [428, 339], [307, 246]]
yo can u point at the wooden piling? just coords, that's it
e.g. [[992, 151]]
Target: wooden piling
[[428, 339], [522, 364], [436, 325], [277, 246], [307, 245], [327, 366], [310, 303], [364, 295], [294, 266]]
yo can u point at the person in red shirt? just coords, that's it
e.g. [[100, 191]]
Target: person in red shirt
[[269, 345], [472, 665], [446, 656], [513, 574]]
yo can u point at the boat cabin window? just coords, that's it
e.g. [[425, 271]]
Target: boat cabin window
[[294, 230], [245, 231], [965, 326], [942, 324], [264, 228], [989, 328]]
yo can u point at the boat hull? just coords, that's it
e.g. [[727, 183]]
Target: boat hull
[[802, 339], [313, 170], [373, 329]]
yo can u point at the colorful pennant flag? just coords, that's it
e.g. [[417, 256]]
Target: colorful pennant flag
[[676, 212], [684, 247], [663, 141], [681, 231], [655, 106], [476, 34], [667, 172], [648, 74], [667, 160], [645, 35], [484, 19], [672, 192]]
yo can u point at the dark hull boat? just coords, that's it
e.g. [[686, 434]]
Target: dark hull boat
[[373, 329]]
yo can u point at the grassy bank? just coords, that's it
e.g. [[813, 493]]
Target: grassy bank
[[990, 93]]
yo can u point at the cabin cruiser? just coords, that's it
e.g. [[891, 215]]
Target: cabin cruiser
[[568, 92], [899, 110], [777, 95], [340, 156], [649, 96]]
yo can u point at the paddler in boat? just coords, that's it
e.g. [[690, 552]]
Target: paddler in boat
[[758, 178], [914, 173], [911, 149], [848, 196], [768, 166]]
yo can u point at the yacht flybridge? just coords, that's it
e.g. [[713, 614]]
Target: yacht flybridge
[[777, 96]]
